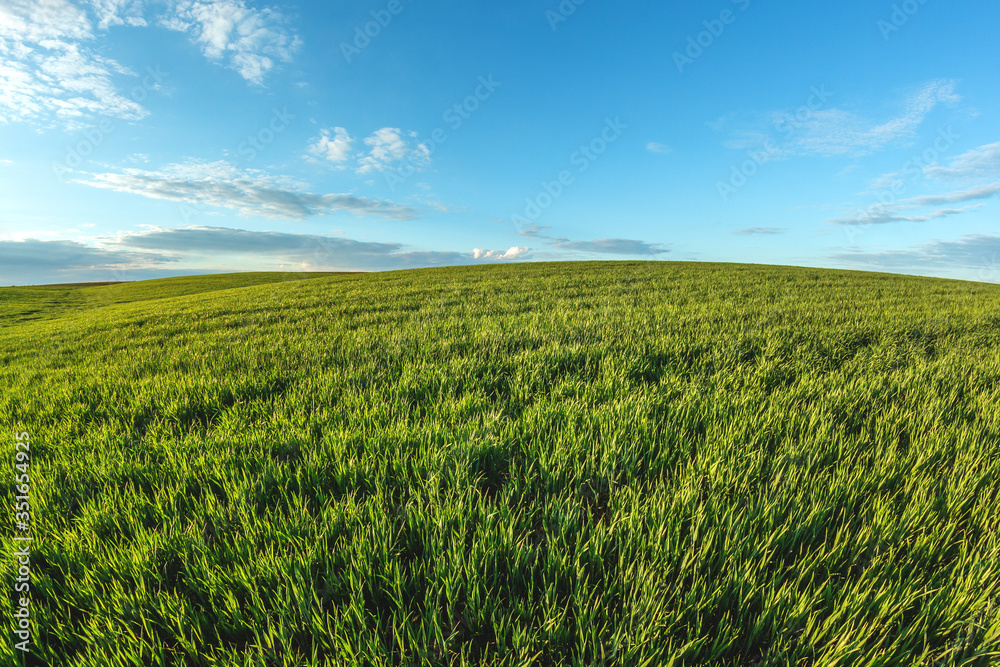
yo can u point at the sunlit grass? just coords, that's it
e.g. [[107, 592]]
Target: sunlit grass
[[548, 464]]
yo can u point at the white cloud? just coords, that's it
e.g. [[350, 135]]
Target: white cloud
[[387, 148], [390, 146], [249, 192], [50, 75], [47, 76], [335, 148], [513, 253], [656, 147], [40, 20], [247, 40], [118, 12]]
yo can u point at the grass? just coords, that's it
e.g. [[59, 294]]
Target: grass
[[538, 464], [40, 302]]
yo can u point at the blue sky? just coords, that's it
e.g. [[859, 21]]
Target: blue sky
[[148, 138]]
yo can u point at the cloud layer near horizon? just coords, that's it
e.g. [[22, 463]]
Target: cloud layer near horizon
[[168, 251], [978, 253]]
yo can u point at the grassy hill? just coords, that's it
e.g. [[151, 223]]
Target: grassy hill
[[41, 302], [538, 464]]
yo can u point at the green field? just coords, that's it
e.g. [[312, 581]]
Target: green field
[[535, 464]]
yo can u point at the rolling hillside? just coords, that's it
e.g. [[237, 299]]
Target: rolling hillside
[[533, 464]]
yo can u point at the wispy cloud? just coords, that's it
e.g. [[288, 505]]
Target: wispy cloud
[[849, 169], [760, 231], [249, 192], [972, 194], [982, 161], [613, 247], [656, 147], [838, 131], [607, 246], [881, 215], [533, 230]]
